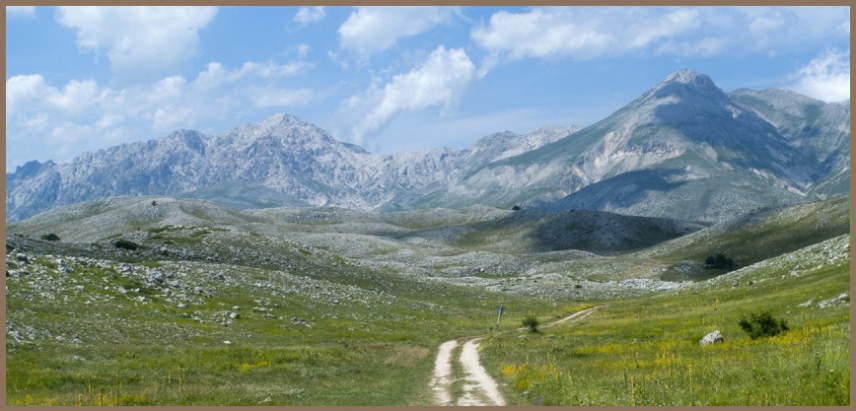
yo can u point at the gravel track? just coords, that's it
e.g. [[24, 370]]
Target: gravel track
[[478, 388]]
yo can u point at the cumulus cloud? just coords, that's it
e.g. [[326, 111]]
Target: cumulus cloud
[[74, 98], [308, 15], [369, 30], [20, 11], [583, 33], [826, 78], [580, 33], [141, 43], [440, 80], [83, 115]]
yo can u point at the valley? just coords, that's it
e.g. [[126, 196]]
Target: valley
[[203, 304], [272, 264]]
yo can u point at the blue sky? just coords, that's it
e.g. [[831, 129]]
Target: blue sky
[[390, 79]]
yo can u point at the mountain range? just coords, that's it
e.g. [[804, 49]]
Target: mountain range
[[684, 149]]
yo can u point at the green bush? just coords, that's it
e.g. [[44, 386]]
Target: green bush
[[50, 237], [720, 261], [762, 325], [126, 244], [531, 322]]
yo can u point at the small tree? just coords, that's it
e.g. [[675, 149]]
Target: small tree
[[762, 325], [532, 322], [126, 244], [720, 261], [50, 237]]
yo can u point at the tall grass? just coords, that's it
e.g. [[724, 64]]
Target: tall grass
[[377, 352], [646, 351]]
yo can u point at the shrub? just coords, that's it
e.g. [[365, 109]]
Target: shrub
[[126, 244], [50, 237], [720, 261], [531, 322], [762, 325]]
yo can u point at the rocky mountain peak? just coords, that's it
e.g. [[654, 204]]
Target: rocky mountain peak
[[684, 119], [688, 76], [280, 120], [278, 129], [31, 168], [683, 81]]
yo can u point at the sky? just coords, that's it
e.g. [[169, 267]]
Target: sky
[[389, 79]]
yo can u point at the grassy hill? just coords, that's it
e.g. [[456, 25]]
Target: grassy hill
[[646, 351], [217, 306]]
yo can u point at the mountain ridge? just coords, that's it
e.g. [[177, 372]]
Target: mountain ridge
[[684, 135]]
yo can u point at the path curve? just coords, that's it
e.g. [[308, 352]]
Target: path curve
[[478, 388]]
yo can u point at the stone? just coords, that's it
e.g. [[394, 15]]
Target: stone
[[63, 266], [712, 338], [842, 298]]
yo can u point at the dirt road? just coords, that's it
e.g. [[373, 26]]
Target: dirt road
[[476, 387]]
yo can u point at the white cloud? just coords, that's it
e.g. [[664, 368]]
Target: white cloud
[[308, 15], [369, 30], [845, 27], [75, 97], [441, 79], [826, 78], [20, 11], [585, 33], [580, 33], [140, 42], [704, 47], [215, 75], [58, 122], [21, 89]]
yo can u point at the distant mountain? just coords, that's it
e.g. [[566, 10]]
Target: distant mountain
[[684, 149], [822, 130], [282, 161]]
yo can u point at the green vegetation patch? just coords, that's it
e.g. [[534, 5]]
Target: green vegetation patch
[[647, 351]]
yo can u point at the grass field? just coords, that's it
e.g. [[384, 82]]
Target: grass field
[[646, 351], [368, 338], [251, 312]]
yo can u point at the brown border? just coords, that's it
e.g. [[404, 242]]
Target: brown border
[[408, 3]]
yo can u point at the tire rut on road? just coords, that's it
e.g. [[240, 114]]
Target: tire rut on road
[[478, 386]]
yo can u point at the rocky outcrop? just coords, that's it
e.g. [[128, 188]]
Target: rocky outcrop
[[714, 337]]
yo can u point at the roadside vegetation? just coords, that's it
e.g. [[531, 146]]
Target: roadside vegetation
[[318, 332], [333, 307], [646, 351]]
